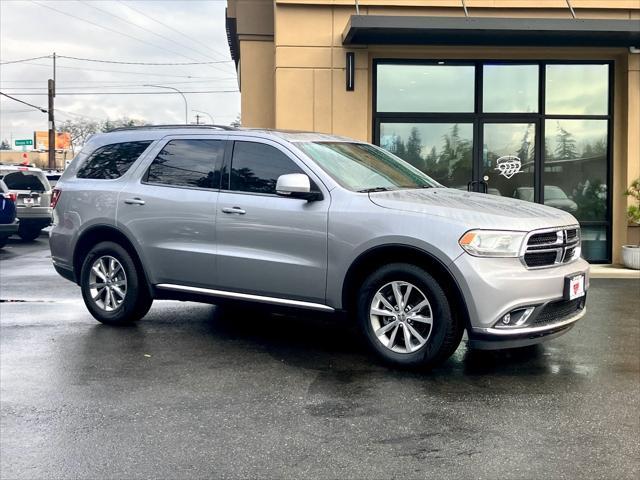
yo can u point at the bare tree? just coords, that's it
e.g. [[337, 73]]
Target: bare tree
[[79, 131]]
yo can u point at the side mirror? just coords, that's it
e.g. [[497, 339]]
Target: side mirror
[[296, 185]]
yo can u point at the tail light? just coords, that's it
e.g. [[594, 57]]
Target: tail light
[[13, 196], [55, 196]]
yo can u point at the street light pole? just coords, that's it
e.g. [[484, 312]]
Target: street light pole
[[186, 107], [205, 113]]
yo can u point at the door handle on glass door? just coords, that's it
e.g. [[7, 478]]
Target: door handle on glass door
[[134, 201], [236, 210]]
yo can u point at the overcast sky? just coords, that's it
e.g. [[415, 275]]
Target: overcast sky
[[193, 31]]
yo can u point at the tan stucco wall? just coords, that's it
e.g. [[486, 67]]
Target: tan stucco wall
[[307, 75]]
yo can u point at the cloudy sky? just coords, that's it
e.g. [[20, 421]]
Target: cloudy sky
[[136, 31]]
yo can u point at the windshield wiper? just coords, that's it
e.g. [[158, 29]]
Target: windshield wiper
[[374, 189]]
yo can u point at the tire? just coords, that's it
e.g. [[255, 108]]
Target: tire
[[426, 312], [28, 233], [3, 241], [112, 304]]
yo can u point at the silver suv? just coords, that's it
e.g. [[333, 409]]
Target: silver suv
[[315, 222]]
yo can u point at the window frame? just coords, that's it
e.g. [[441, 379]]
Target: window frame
[[165, 141], [478, 118]]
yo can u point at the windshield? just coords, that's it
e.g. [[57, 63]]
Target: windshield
[[554, 193], [362, 167]]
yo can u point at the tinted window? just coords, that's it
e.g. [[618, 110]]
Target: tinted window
[[425, 88], [24, 181], [577, 89], [256, 167], [112, 161], [188, 163]]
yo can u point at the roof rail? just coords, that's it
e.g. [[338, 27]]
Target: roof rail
[[168, 126]]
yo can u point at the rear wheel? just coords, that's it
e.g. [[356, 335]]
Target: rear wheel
[[114, 290], [29, 233], [406, 318], [3, 241]]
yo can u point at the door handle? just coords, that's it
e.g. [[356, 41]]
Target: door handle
[[134, 201], [236, 210]]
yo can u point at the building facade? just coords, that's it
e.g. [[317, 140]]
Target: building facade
[[537, 100]]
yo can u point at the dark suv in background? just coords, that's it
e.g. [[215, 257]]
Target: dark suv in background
[[8, 218]]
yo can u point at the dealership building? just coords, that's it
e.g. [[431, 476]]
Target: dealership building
[[537, 100]]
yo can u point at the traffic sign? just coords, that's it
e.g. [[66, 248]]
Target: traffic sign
[[22, 143]]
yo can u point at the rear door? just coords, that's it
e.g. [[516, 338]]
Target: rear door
[[169, 207], [268, 244]]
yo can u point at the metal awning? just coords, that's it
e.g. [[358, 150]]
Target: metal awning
[[394, 30]]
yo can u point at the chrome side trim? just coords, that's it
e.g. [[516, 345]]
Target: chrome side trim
[[246, 296], [524, 331]]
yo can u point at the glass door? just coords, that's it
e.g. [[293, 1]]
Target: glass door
[[507, 162]]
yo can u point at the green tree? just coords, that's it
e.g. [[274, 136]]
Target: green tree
[[414, 147], [566, 145]]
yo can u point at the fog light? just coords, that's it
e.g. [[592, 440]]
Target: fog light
[[515, 318]]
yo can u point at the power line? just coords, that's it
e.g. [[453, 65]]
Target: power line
[[62, 12], [73, 87], [25, 60], [21, 101], [124, 93], [170, 28], [143, 63], [125, 72], [142, 28]]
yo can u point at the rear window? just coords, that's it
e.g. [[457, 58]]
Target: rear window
[[23, 180], [112, 161]]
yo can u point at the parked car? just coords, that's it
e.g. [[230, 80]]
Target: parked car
[[316, 222], [8, 218], [33, 196], [554, 196], [53, 176]]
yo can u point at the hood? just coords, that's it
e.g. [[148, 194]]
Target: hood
[[475, 210]]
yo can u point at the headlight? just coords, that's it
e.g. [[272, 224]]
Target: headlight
[[492, 243]]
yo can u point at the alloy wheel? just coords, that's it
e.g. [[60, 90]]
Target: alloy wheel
[[401, 317], [107, 283]]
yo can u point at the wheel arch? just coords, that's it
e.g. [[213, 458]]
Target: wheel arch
[[105, 233], [372, 259]]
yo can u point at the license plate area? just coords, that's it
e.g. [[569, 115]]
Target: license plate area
[[31, 201], [574, 286]]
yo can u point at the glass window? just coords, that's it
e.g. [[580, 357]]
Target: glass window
[[510, 88], [575, 165], [256, 167], [508, 159], [594, 243], [112, 161], [577, 89], [188, 163], [25, 180], [425, 88], [441, 150], [359, 166]]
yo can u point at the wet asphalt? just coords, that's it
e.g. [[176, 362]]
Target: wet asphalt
[[193, 391]]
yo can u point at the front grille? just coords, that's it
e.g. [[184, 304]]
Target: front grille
[[558, 311], [552, 247]]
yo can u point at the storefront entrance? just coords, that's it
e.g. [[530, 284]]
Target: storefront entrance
[[537, 131]]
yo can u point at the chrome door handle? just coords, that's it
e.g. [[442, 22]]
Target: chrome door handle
[[236, 210], [134, 201]]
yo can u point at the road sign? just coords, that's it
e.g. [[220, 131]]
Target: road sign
[[22, 143]]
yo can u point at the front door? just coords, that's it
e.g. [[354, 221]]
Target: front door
[[268, 244], [506, 165]]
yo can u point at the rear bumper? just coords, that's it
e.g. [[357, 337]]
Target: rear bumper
[[7, 229], [35, 213]]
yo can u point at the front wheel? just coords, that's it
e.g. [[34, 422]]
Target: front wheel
[[406, 317], [113, 289]]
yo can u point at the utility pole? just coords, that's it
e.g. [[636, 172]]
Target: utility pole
[[51, 84]]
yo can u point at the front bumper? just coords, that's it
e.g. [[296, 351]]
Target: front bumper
[[494, 287]]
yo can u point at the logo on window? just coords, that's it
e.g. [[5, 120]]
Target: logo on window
[[508, 165]]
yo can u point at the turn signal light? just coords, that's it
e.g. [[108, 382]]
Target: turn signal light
[[55, 196]]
